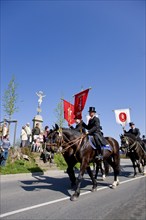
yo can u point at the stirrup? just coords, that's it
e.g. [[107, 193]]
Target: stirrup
[[99, 157]]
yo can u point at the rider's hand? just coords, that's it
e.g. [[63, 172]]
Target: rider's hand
[[124, 130]]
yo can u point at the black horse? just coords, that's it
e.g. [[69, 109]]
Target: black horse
[[75, 147], [133, 149]]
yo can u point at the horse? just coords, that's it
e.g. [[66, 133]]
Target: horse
[[133, 149], [76, 147]]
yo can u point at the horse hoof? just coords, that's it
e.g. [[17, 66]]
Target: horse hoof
[[94, 189], [103, 177], [73, 198], [113, 186]]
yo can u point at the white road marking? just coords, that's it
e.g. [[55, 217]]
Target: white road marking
[[59, 200]]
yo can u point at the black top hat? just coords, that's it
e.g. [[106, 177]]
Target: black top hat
[[92, 109], [78, 117], [131, 123]]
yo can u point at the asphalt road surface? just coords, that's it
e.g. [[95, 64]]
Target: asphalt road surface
[[47, 196]]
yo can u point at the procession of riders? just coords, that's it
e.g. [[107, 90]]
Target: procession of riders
[[37, 138]]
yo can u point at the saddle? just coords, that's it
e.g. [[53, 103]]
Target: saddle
[[93, 145]]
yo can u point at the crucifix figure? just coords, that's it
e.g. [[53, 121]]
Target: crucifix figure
[[41, 96]]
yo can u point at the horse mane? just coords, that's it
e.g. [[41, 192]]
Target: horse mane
[[73, 131], [130, 136]]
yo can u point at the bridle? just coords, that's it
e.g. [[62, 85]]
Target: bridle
[[128, 145], [64, 143]]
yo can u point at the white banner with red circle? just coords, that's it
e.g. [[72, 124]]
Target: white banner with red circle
[[122, 116]]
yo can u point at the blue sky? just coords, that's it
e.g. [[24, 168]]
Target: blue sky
[[59, 47]]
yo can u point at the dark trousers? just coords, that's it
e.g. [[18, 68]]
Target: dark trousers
[[99, 142]]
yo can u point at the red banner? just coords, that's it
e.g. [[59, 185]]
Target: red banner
[[68, 112], [79, 103]]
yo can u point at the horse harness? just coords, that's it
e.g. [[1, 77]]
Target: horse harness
[[130, 147], [69, 144]]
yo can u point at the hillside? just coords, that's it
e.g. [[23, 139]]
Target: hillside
[[22, 160], [44, 166]]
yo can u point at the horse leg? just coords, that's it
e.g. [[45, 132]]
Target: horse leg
[[97, 168], [99, 165], [144, 167], [143, 163], [104, 167], [90, 173], [94, 168], [71, 174], [134, 165], [115, 164], [75, 196], [139, 166]]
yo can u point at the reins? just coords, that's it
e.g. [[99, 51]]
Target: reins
[[71, 143], [133, 145]]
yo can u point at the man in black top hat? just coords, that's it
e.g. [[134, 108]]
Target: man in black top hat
[[79, 127], [133, 130], [94, 129], [136, 132]]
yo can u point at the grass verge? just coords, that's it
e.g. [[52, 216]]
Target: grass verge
[[15, 165]]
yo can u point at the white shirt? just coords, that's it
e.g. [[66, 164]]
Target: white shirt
[[23, 135]]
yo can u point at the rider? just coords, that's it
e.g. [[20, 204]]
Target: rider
[[94, 129], [79, 125], [136, 132], [133, 130]]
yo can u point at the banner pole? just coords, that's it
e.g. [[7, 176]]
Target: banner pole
[[83, 91]]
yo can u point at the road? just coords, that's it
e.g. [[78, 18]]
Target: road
[[48, 197]]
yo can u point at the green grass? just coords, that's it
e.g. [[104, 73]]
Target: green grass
[[60, 162], [20, 166], [24, 166]]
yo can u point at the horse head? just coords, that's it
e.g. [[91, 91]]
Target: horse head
[[124, 141], [65, 138], [127, 140], [54, 137]]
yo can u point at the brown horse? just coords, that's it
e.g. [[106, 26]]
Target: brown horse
[[76, 147]]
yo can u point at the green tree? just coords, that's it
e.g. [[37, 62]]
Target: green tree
[[10, 99], [59, 114]]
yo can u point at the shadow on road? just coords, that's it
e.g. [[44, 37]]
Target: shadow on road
[[45, 182], [62, 184]]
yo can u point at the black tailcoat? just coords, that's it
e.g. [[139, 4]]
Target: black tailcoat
[[94, 129]]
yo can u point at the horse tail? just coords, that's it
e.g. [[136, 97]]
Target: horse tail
[[116, 154]]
